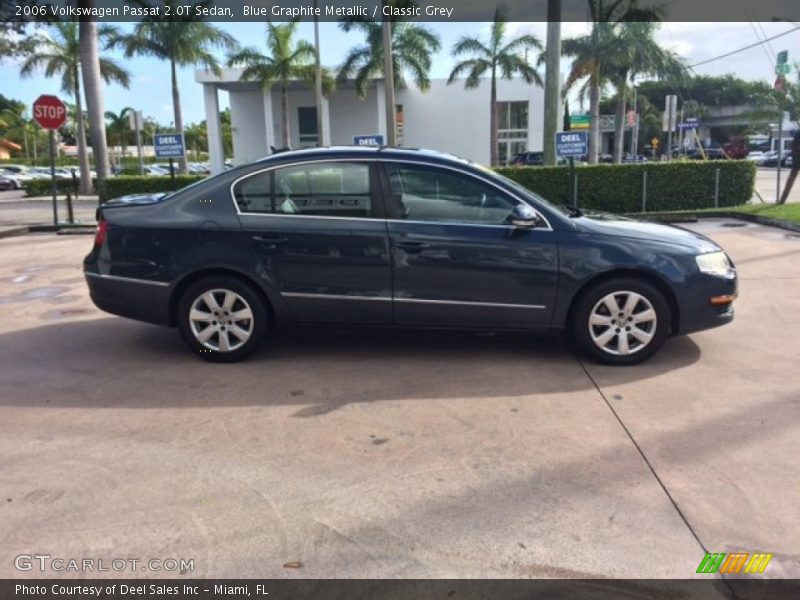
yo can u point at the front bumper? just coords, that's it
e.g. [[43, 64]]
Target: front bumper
[[699, 312]]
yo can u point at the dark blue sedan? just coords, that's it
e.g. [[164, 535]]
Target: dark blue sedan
[[403, 238]]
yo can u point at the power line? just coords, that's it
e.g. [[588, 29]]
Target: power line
[[759, 43]]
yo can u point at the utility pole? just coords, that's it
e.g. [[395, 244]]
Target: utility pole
[[552, 80], [321, 141], [388, 81]]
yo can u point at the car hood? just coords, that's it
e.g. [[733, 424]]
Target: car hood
[[615, 225]]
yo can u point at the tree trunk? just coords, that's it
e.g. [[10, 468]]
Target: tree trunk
[[93, 88], [594, 121], [85, 185], [176, 109], [493, 154], [619, 124], [285, 113]]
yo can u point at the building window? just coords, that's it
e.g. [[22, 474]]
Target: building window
[[512, 129], [307, 122]]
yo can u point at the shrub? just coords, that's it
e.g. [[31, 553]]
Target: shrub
[[618, 188], [122, 185], [41, 187]]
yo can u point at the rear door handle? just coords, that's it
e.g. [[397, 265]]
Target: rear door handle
[[412, 246]]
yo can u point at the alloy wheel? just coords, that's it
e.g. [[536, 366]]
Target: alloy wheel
[[622, 323], [221, 320]]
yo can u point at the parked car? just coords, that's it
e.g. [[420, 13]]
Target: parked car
[[397, 237], [155, 170], [757, 156], [771, 158], [634, 158], [19, 174], [7, 183]]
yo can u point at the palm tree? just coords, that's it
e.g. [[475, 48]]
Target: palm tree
[[59, 54], [88, 35], [286, 61], [498, 56], [182, 41], [592, 54], [412, 47], [637, 53], [118, 128]]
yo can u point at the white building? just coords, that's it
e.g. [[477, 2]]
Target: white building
[[448, 118]]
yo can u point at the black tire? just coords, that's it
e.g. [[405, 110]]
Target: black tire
[[590, 338], [227, 325]]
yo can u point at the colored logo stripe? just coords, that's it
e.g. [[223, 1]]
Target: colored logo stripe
[[714, 562]]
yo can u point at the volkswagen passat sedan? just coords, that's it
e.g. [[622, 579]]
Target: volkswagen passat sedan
[[407, 238]]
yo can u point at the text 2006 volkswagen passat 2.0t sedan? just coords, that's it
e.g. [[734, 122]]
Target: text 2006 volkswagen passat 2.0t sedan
[[405, 238]]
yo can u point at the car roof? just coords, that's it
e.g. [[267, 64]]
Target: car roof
[[384, 152]]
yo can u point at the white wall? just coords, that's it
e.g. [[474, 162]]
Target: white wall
[[454, 120], [247, 121], [448, 118], [350, 115]]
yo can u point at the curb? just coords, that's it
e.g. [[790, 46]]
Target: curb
[[693, 218], [14, 232]]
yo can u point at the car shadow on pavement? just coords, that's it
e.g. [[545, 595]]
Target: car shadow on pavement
[[118, 363]]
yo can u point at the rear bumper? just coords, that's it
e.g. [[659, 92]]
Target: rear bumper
[[138, 299]]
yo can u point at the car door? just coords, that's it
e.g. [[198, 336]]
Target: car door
[[318, 233], [456, 259]]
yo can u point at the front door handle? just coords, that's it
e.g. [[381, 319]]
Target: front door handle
[[272, 241], [409, 246]]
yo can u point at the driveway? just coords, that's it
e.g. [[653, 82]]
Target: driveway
[[381, 454]]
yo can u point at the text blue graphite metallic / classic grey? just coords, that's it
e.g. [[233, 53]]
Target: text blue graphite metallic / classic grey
[[408, 238]]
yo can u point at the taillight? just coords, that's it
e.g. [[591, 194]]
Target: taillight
[[100, 235]]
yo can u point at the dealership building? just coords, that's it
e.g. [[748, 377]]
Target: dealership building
[[448, 118]]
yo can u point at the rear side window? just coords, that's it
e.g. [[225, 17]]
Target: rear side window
[[329, 189]]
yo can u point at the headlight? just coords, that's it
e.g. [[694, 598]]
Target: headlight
[[715, 263]]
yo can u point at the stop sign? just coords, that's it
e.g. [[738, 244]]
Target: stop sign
[[49, 112]]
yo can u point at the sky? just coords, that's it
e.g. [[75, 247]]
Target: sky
[[150, 86]]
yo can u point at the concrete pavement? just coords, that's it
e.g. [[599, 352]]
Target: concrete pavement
[[384, 454], [767, 185]]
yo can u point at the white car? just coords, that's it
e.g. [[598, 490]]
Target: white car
[[757, 156], [19, 174]]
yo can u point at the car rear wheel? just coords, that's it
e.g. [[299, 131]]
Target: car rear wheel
[[621, 322], [222, 319]]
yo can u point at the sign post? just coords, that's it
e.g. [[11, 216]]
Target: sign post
[[781, 68], [136, 122], [670, 114], [50, 113], [572, 144], [171, 146]]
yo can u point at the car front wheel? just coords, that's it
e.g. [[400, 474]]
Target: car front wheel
[[222, 319], [621, 322]]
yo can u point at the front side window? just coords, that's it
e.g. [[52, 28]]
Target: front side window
[[330, 189], [439, 195]]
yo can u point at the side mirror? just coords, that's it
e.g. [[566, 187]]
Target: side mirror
[[524, 217]]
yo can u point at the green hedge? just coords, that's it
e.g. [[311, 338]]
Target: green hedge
[[41, 187], [122, 185], [672, 185]]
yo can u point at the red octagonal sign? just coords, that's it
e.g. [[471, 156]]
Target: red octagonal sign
[[49, 112]]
